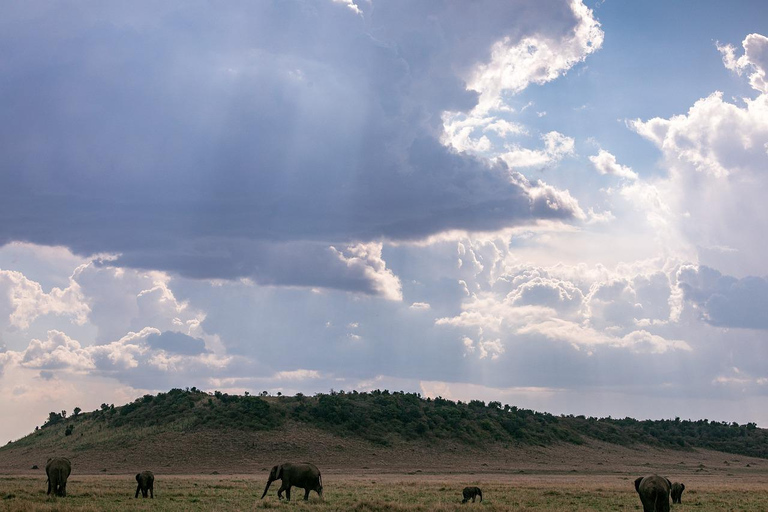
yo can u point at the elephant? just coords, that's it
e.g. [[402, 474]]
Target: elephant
[[471, 493], [654, 493], [304, 475], [58, 470], [677, 492], [146, 481]]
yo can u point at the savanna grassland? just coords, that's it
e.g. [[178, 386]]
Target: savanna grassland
[[178, 493], [377, 451]]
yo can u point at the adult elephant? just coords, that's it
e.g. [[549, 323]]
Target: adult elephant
[[304, 475], [58, 470], [146, 481], [654, 493]]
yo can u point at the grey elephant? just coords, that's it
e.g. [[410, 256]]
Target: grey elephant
[[654, 493], [58, 470], [677, 492], [146, 481], [470, 493], [304, 475]]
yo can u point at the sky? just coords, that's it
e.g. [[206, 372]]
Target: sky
[[557, 204]]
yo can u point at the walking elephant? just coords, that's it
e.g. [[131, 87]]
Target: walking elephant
[[677, 492], [470, 493], [146, 481], [58, 470], [654, 493], [304, 475]]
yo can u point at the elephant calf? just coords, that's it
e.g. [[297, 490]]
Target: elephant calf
[[472, 493], [146, 481], [654, 493], [58, 470], [677, 492]]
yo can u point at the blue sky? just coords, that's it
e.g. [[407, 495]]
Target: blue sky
[[556, 205]]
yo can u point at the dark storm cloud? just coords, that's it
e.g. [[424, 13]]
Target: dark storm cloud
[[241, 139], [726, 301]]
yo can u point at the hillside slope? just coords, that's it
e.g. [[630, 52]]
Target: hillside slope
[[193, 431]]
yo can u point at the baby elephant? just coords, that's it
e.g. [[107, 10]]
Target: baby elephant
[[146, 481], [471, 493], [677, 492]]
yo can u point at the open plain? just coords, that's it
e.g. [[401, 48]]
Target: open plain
[[596, 476]]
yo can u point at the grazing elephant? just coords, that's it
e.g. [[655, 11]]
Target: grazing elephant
[[654, 493], [677, 492], [58, 470], [146, 481], [305, 475], [471, 493]]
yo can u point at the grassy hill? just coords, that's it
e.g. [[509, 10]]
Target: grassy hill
[[377, 418]]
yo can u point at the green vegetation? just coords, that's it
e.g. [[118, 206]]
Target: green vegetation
[[385, 417]]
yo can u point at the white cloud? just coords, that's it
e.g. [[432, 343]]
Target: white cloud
[[483, 347], [514, 64], [299, 374], [25, 301], [755, 58], [606, 163], [716, 158], [56, 352], [365, 259], [420, 306], [556, 147]]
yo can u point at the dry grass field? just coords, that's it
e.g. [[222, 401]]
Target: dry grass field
[[380, 492]]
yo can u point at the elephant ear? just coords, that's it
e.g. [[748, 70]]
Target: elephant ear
[[279, 472], [668, 482], [682, 487], [138, 476], [637, 484]]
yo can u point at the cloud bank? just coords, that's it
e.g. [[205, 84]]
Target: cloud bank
[[182, 141]]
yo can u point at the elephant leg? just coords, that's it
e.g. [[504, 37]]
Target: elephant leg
[[64, 490], [49, 487], [306, 494], [152, 492], [473, 499], [288, 493], [138, 488]]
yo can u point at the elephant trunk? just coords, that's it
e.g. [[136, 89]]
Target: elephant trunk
[[269, 482]]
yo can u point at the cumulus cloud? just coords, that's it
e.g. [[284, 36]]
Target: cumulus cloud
[[539, 58], [585, 309], [606, 163], [56, 352], [23, 300], [365, 261], [716, 157], [484, 348], [135, 354], [214, 149], [755, 58]]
